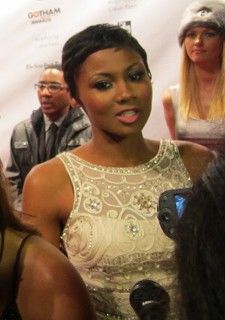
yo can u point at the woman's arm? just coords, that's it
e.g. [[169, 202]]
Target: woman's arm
[[169, 113], [47, 199], [50, 288]]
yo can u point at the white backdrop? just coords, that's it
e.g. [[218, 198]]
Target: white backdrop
[[34, 31]]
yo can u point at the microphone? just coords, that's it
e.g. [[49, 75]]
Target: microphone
[[149, 300]]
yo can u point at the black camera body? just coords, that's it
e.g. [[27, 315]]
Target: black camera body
[[171, 206]]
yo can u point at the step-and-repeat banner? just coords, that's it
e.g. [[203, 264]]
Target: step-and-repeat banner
[[33, 33]]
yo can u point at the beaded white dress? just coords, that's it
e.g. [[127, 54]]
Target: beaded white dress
[[112, 235]]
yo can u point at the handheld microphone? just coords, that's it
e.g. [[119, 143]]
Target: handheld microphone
[[171, 207], [149, 300]]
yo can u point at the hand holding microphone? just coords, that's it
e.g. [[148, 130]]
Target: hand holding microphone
[[149, 300]]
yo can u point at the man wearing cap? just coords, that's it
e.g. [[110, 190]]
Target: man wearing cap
[[55, 127]]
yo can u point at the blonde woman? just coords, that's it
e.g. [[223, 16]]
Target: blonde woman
[[195, 108]]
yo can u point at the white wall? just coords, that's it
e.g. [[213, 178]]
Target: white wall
[[34, 31]]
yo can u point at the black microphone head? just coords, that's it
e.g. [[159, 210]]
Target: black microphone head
[[149, 300]]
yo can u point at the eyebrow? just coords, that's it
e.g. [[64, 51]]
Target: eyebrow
[[203, 28], [49, 82], [108, 74]]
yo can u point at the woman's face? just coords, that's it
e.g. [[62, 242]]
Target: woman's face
[[204, 45], [115, 90]]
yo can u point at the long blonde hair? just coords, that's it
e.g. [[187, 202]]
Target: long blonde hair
[[189, 99]]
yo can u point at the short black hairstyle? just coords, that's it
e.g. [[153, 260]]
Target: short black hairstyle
[[90, 40]]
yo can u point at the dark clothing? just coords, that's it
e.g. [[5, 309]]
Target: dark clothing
[[12, 313], [27, 145], [9, 272], [51, 148]]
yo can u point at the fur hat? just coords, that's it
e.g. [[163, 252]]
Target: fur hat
[[206, 13]]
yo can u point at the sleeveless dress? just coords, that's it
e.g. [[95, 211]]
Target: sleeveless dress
[[13, 245], [112, 235], [209, 133]]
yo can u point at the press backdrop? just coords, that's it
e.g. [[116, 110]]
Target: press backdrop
[[32, 33]]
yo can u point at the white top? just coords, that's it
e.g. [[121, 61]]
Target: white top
[[210, 133], [112, 235]]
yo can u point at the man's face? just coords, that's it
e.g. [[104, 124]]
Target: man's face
[[53, 94]]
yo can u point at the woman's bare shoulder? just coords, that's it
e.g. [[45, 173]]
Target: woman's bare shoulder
[[195, 157], [47, 193], [167, 98], [48, 180], [46, 171]]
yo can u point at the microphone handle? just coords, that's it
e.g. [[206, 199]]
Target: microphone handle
[[148, 316]]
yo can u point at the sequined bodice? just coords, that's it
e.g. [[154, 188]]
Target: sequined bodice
[[112, 235]]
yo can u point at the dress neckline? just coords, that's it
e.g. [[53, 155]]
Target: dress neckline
[[141, 167]]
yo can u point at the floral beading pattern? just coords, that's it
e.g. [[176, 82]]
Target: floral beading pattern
[[112, 235]]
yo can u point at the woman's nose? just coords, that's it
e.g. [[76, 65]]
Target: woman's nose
[[198, 38], [124, 91]]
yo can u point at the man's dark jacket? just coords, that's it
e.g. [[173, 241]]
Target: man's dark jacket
[[27, 140]]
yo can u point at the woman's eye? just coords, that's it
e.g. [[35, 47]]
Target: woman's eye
[[102, 85], [207, 34], [136, 76], [210, 34], [190, 34]]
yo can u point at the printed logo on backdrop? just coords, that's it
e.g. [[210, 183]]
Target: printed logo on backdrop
[[43, 15], [125, 25], [41, 65], [115, 5]]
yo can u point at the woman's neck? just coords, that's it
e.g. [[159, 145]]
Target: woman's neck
[[206, 78], [206, 75], [126, 152]]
